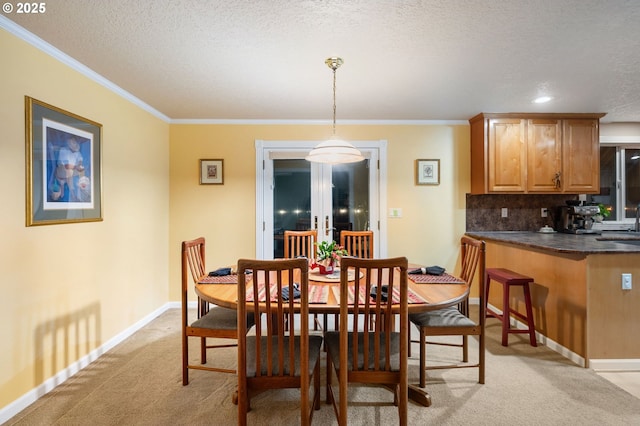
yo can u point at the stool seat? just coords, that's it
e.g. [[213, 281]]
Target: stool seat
[[510, 278]]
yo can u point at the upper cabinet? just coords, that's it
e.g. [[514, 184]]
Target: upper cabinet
[[535, 153]]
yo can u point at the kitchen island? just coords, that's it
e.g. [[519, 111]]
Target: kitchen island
[[579, 306]]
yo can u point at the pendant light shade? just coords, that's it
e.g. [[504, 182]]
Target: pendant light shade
[[334, 150]]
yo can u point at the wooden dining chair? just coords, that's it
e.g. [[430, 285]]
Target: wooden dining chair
[[214, 322], [358, 243], [302, 243], [276, 356], [455, 321], [359, 354]]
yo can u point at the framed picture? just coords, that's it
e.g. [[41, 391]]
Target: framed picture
[[64, 172], [211, 172], [427, 172]]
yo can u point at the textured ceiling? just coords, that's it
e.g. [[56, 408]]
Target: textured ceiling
[[403, 60]]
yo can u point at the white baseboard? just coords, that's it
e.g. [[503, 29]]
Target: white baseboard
[[615, 364], [541, 338], [48, 385]]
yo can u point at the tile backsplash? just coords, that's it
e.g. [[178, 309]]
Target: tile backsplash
[[484, 212]]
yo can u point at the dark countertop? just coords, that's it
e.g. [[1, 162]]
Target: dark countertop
[[609, 242]]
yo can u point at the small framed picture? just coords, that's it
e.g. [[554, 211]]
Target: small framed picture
[[427, 172], [211, 172]]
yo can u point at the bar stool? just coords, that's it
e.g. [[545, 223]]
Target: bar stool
[[510, 278]]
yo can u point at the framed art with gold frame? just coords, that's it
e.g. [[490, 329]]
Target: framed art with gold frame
[[212, 172], [64, 170], [427, 172]]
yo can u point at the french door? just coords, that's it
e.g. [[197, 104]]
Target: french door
[[294, 194]]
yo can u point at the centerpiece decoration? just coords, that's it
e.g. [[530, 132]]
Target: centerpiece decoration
[[328, 256]]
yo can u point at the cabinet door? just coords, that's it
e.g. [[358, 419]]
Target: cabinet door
[[544, 155], [507, 155], [580, 156]]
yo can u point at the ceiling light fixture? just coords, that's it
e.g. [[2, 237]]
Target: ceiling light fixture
[[334, 150]]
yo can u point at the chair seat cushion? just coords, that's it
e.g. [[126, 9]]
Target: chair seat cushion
[[222, 319], [315, 343], [332, 343], [447, 317]]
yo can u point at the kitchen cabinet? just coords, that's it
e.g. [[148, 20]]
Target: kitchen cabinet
[[535, 153]]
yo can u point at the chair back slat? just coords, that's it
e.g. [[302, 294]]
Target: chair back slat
[[358, 243]]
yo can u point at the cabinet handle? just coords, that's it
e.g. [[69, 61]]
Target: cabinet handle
[[557, 181]]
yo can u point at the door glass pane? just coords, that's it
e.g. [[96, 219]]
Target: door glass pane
[[350, 195], [632, 181], [291, 200]]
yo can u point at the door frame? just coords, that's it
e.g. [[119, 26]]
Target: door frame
[[263, 150]]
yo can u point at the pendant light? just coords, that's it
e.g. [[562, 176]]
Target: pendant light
[[334, 150]]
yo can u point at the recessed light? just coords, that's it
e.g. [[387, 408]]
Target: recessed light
[[542, 99]]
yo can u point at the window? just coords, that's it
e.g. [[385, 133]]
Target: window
[[619, 182]]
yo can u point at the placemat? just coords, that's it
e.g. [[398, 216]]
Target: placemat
[[435, 279], [318, 294], [225, 279], [412, 296]]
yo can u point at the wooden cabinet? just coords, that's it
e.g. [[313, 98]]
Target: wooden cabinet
[[535, 153]]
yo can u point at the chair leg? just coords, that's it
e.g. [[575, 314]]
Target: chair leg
[[316, 386], [465, 348], [203, 350], [423, 358], [329, 399]]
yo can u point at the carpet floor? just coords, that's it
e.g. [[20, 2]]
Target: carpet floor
[[139, 382]]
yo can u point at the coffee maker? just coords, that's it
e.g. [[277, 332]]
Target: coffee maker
[[576, 219]]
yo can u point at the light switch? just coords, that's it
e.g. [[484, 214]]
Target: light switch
[[395, 212]]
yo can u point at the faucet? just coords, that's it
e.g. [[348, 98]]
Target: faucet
[[638, 218]]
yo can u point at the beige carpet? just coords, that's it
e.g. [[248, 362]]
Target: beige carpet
[[139, 383]]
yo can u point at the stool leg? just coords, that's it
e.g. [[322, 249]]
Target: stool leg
[[506, 314], [532, 327]]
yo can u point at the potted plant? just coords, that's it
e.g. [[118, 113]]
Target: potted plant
[[328, 256], [605, 211]]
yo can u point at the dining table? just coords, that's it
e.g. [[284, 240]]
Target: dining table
[[425, 292]]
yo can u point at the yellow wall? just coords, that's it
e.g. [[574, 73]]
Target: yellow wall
[[66, 289], [428, 232], [69, 288]]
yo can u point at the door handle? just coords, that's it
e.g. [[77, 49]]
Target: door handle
[[326, 225], [315, 223]]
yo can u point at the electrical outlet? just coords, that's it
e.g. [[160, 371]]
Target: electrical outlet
[[626, 281], [505, 212], [543, 212]]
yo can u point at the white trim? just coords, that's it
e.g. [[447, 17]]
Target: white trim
[[59, 55], [318, 122], [615, 364], [619, 139], [15, 407]]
